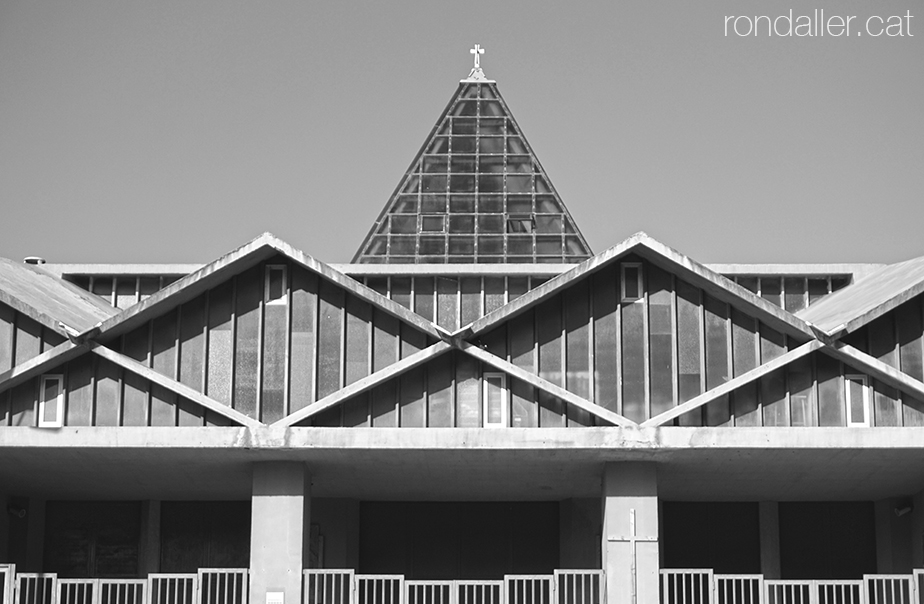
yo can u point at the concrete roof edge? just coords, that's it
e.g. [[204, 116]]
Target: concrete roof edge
[[167, 298], [707, 279], [554, 285], [62, 270], [452, 270], [240, 259], [858, 271]]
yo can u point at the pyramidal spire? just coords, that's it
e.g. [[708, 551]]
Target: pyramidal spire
[[475, 193]]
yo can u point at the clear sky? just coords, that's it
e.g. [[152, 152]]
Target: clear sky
[[175, 131]]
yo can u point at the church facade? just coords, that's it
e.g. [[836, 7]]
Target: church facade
[[476, 408]]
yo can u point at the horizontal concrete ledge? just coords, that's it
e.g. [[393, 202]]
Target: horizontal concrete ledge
[[858, 271], [453, 270], [600, 441], [110, 270]]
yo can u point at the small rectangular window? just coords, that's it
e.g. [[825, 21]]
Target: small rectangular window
[[857, 400], [433, 224], [520, 224], [275, 289], [495, 400], [51, 402], [631, 281]]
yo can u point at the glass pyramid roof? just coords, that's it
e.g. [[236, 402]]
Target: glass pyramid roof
[[475, 193]]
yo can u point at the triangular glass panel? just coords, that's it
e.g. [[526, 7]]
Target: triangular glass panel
[[475, 193]]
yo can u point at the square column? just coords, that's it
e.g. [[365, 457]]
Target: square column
[[769, 518], [280, 522], [631, 558]]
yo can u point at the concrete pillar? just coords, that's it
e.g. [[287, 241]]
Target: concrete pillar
[[338, 519], [631, 558], [35, 536], [895, 535], [4, 528], [17, 509], [917, 531], [579, 533], [769, 513], [883, 508], [280, 523], [149, 543]]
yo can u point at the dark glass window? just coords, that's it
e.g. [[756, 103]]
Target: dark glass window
[[475, 176], [431, 224], [520, 224], [631, 281]]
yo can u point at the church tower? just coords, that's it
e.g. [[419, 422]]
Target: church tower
[[475, 193]]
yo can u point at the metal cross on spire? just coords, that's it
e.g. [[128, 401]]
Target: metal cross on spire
[[477, 51], [477, 75]]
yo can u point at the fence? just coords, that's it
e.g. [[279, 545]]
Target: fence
[[208, 586], [429, 592], [699, 586], [686, 586], [345, 587], [223, 585], [328, 586], [7, 572], [579, 586], [891, 589], [678, 586], [738, 589], [529, 589], [173, 588], [379, 589], [35, 588]]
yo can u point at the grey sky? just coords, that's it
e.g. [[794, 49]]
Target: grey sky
[[138, 131]]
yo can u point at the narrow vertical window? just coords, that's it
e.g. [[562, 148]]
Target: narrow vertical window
[[51, 402], [275, 288], [495, 400], [857, 400], [631, 281]]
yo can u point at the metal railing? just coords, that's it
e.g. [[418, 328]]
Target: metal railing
[[122, 591], [173, 588], [686, 586], [100, 591], [320, 586], [328, 586], [678, 586], [840, 592], [429, 592], [479, 592], [890, 589], [579, 586], [77, 591], [738, 589], [789, 592], [35, 588], [223, 585], [379, 589], [7, 574], [529, 589], [701, 586]]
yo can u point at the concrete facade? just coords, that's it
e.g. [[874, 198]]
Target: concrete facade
[[270, 388]]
